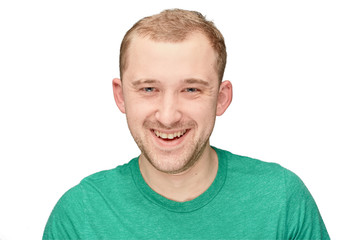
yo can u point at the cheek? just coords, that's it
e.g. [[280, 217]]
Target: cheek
[[202, 112], [137, 111]]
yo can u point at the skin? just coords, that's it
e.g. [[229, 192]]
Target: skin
[[173, 89]]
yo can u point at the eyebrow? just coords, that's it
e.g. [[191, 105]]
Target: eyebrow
[[188, 80], [142, 81], [196, 81]]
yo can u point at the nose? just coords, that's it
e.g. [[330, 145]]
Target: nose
[[168, 111]]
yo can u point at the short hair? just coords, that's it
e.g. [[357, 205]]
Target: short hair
[[175, 25]]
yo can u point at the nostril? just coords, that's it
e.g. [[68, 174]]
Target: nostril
[[168, 116]]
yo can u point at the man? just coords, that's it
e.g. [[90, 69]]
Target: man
[[171, 90]]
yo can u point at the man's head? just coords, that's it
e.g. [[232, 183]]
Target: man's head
[[171, 94], [175, 26]]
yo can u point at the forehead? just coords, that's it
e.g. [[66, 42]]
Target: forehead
[[192, 58]]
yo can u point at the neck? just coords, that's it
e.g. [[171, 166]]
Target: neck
[[186, 185]]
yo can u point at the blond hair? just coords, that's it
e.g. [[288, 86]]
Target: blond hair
[[174, 25]]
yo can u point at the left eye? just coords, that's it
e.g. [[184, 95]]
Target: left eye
[[148, 89], [191, 90]]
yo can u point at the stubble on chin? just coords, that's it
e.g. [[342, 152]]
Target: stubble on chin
[[175, 164], [168, 162]]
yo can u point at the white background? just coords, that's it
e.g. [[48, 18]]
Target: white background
[[294, 66]]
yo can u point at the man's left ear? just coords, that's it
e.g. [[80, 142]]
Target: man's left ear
[[224, 97]]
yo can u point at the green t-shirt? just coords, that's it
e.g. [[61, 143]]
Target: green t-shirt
[[249, 199]]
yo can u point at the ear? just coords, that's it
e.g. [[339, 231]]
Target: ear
[[224, 97], [118, 94]]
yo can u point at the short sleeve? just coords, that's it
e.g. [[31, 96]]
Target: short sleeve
[[303, 219], [67, 218]]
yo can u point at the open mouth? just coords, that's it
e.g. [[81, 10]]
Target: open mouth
[[170, 136]]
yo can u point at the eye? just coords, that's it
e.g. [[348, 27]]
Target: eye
[[191, 90], [148, 89]]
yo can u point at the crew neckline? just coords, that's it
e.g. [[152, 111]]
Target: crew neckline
[[187, 206]]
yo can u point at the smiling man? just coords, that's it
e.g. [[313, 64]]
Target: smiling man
[[180, 187]]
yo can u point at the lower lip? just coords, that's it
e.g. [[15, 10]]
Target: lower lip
[[170, 143]]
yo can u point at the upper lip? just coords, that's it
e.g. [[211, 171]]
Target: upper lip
[[169, 135], [170, 131]]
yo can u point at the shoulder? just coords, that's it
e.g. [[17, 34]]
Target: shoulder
[[262, 176], [103, 181], [274, 185], [250, 166], [69, 216], [121, 172], [107, 182]]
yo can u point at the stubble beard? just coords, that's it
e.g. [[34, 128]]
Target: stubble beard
[[173, 164]]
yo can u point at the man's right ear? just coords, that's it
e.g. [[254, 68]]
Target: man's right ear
[[118, 94]]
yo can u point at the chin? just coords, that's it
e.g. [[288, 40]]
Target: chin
[[175, 163], [170, 168]]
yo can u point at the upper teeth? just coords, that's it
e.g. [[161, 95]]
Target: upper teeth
[[170, 135]]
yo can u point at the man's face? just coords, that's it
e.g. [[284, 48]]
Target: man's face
[[170, 97]]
